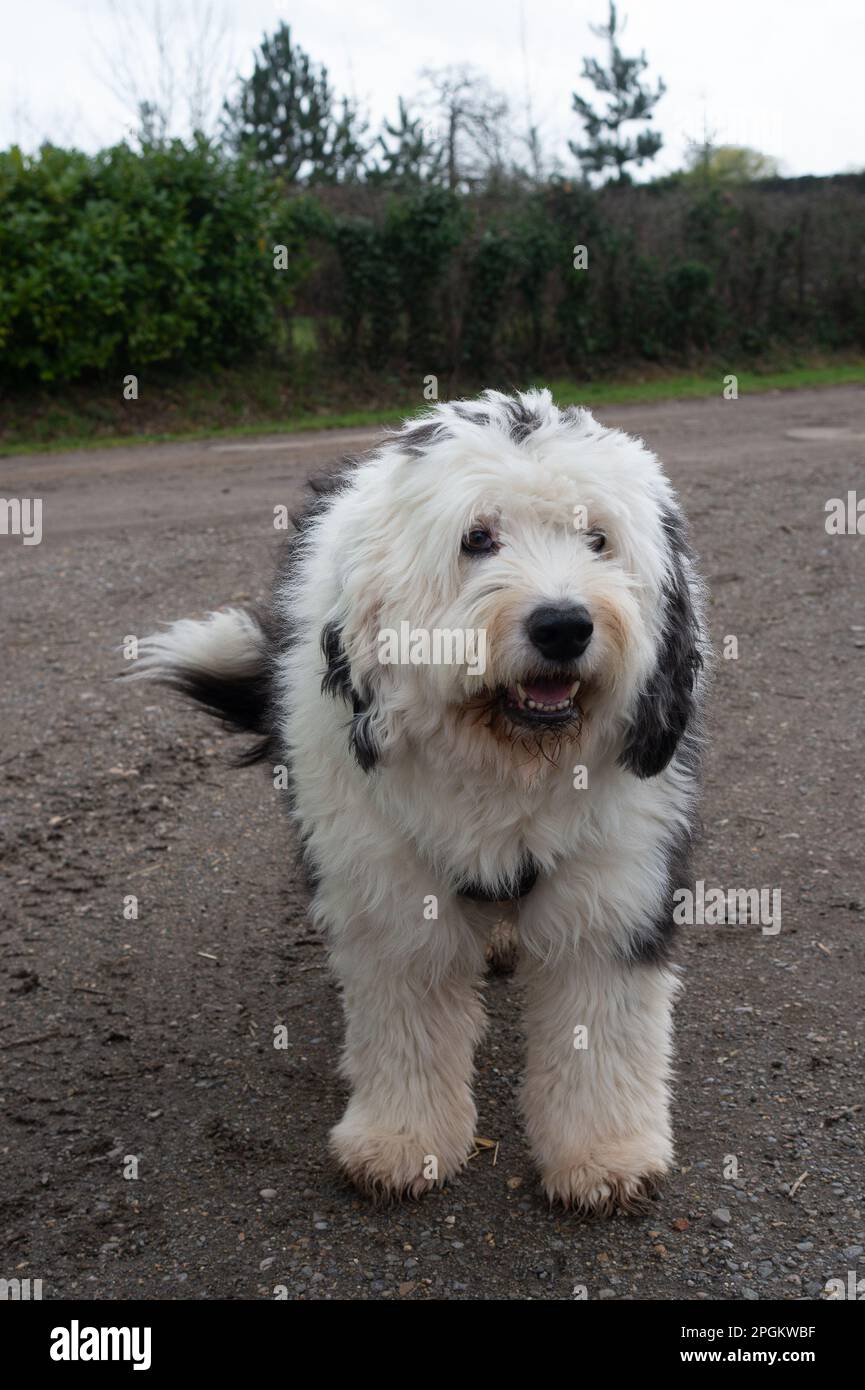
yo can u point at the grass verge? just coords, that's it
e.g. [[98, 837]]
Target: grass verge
[[255, 401]]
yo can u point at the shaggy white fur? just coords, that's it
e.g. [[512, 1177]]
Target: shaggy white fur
[[431, 800]]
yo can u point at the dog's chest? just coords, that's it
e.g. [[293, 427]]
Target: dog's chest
[[483, 833]]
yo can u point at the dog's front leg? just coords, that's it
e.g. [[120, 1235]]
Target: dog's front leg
[[595, 1095], [412, 1021]]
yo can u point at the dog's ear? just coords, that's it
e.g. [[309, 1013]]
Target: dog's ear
[[666, 706], [337, 682]]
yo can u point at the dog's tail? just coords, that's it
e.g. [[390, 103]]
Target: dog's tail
[[223, 663]]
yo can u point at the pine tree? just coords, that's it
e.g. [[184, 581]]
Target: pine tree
[[408, 158], [607, 147], [286, 118]]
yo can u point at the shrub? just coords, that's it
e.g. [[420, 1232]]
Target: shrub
[[164, 256], [392, 272], [127, 259]]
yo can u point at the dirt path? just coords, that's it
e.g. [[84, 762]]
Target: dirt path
[[153, 1037]]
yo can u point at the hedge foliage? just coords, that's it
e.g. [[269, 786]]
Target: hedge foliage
[[113, 262], [675, 272], [125, 259]]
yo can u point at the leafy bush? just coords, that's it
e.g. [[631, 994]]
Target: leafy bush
[[126, 259], [164, 256], [392, 272]]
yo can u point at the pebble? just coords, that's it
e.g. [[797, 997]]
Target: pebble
[[721, 1217]]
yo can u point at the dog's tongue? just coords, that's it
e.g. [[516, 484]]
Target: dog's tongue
[[548, 692]]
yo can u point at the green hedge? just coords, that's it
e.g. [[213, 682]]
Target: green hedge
[[123, 260], [115, 262], [675, 273]]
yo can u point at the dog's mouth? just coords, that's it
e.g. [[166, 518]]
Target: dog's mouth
[[542, 700]]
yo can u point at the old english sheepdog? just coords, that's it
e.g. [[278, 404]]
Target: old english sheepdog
[[483, 668]]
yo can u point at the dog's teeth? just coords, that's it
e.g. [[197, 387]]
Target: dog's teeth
[[544, 706]]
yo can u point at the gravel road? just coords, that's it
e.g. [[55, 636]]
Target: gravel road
[[151, 1039]]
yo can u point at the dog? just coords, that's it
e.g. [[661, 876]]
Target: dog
[[542, 770]]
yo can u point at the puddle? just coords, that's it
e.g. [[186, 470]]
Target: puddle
[[819, 434]]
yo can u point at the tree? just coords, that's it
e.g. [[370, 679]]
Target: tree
[[409, 157], [285, 117], [628, 99], [472, 124], [531, 138], [166, 66], [727, 163]]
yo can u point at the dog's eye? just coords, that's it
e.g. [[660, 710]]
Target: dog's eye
[[478, 541], [596, 539]]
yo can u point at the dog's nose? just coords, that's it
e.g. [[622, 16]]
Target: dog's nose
[[560, 631]]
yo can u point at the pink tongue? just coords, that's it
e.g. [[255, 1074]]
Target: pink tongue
[[548, 692]]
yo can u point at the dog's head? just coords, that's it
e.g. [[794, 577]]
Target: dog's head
[[513, 579]]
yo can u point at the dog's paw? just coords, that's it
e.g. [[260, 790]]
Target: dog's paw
[[593, 1189], [388, 1166]]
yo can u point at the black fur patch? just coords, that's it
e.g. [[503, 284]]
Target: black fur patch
[[523, 883], [522, 421], [666, 707], [337, 677], [475, 412], [418, 439], [361, 737], [242, 703], [336, 681]]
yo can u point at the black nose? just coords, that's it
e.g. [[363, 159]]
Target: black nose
[[560, 631]]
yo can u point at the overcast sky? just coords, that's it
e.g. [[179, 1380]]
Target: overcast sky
[[784, 76]]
